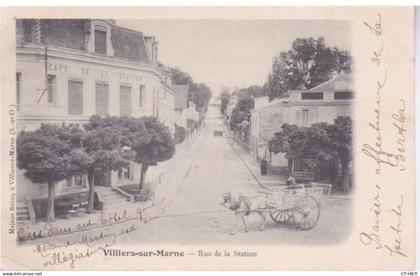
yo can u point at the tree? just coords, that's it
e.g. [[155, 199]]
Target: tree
[[300, 142], [151, 142], [224, 99], [279, 143], [180, 77], [180, 134], [106, 142], [80, 164], [320, 141], [307, 64], [44, 154], [242, 111], [253, 90], [341, 133], [199, 93]]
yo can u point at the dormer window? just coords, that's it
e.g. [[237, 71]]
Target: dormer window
[[100, 38], [312, 96], [100, 41]]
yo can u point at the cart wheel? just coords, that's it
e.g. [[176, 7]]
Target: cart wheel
[[306, 213], [281, 216]]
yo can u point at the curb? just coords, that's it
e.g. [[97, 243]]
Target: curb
[[246, 163]]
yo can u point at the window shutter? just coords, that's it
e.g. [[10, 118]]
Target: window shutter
[[75, 97]]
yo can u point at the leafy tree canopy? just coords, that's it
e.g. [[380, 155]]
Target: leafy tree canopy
[[199, 93], [242, 111], [224, 99], [253, 90], [44, 154], [307, 64], [159, 145]]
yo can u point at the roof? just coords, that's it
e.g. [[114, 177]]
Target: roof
[[128, 44], [339, 82], [181, 96], [274, 102], [72, 33]]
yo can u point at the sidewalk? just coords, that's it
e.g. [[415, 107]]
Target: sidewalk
[[166, 184], [271, 180], [254, 167], [156, 173], [159, 177]]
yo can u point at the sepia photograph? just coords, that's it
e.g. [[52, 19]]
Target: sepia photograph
[[162, 139], [262, 146]]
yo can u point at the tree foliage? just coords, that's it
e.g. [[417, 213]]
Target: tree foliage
[[317, 142], [224, 99], [307, 64], [44, 153], [180, 134], [253, 90], [147, 141], [242, 111], [45, 156], [155, 144], [199, 93]]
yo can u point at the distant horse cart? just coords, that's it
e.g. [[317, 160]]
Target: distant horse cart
[[218, 133]]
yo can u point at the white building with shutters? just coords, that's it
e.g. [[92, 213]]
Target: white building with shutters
[[68, 70], [323, 103]]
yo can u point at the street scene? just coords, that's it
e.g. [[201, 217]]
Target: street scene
[[116, 144]]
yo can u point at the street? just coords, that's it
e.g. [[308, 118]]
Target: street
[[192, 188], [210, 167]]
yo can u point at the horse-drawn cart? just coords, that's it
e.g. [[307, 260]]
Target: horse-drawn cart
[[299, 205]]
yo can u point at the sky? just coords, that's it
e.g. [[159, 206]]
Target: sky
[[233, 53]]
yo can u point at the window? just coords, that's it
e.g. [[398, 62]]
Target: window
[[75, 97], [312, 96], [101, 98], [305, 117], [18, 89], [125, 101], [142, 92], [100, 42], [343, 95], [76, 181], [51, 87], [303, 165], [124, 173]]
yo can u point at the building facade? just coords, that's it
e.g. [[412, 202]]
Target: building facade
[[68, 70], [181, 105], [323, 103], [266, 119], [192, 115], [229, 108]]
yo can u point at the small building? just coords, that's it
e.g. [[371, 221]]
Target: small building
[[266, 119], [192, 115]]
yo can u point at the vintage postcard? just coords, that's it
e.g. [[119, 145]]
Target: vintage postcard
[[207, 138]]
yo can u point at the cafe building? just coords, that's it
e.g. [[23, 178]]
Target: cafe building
[[70, 69]]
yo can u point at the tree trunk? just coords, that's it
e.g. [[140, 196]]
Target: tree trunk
[[143, 171], [91, 197], [346, 177], [51, 196], [317, 169]]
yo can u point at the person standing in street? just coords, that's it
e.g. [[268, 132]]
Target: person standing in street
[[263, 166]]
